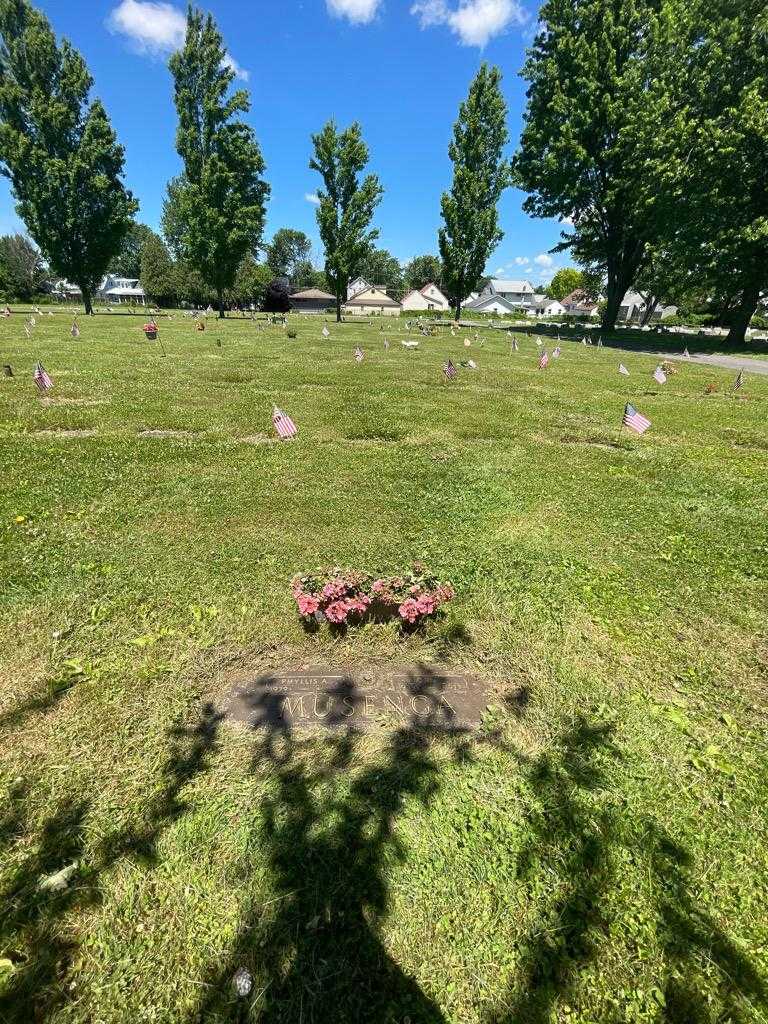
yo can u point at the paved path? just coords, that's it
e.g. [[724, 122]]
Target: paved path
[[725, 362]]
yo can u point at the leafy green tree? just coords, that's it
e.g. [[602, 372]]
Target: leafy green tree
[[581, 154], [251, 282], [346, 205], [59, 151], [157, 271], [22, 271], [380, 267], [191, 287], [421, 271], [707, 178], [480, 175], [565, 281], [287, 251], [127, 262], [214, 213]]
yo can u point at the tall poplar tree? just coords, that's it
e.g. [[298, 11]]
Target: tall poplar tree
[[59, 150], [217, 206], [581, 154], [346, 204], [480, 175]]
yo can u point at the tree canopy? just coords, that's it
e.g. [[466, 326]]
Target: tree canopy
[[22, 270], [581, 153], [287, 252], [346, 205], [59, 150], [127, 261], [380, 267], [565, 281], [421, 271], [471, 229], [157, 270], [215, 210]]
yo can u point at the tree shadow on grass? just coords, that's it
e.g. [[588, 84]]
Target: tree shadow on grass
[[575, 840], [34, 933], [316, 952]]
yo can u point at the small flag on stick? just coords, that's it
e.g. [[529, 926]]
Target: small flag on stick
[[556, 353], [634, 420], [659, 376], [42, 379], [515, 346], [450, 370], [544, 361], [623, 370], [738, 384], [283, 424], [75, 332], [326, 333], [686, 353], [359, 354], [386, 343]]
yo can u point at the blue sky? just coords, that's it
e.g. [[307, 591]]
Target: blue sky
[[400, 67]]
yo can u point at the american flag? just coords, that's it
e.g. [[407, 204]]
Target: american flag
[[386, 343], [41, 378], [556, 353], [75, 332], [514, 345], [7, 311], [449, 370], [544, 361], [623, 370], [283, 423], [359, 354], [738, 384], [634, 420], [326, 333], [659, 376]]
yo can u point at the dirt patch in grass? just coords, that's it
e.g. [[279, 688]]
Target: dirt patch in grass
[[64, 433], [168, 433], [258, 439]]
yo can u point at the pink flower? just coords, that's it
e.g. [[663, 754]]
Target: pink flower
[[427, 604], [379, 586], [414, 589], [334, 589], [307, 605], [337, 612], [409, 610]]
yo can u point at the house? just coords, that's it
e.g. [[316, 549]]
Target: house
[[518, 293], [312, 300], [471, 298], [633, 308], [428, 297], [577, 304], [121, 289], [358, 285], [492, 304], [371, 302], [66, 290], [545, 307]]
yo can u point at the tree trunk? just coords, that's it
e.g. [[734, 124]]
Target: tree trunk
[[338, 307], [458, 310], [85, 291], [220, 303], [651, 305], [742, 315]]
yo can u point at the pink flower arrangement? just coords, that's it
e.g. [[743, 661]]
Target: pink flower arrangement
[[341, 596]]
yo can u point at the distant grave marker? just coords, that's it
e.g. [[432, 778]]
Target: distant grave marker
[[417, 697]]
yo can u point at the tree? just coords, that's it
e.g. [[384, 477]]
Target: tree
[[581, 154], [565, 281], [127, 261], [157, 271], [346, 204], [421, 271], [707, 179], [22, 271], [215, 209], [251, 282], [480, 175], [380, 267], [59, 151], [276, 298], [287, 251]]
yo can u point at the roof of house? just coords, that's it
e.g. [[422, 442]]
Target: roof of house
[[431, 284], [487, 300], [518, 287], [371, 297], [312, 293]]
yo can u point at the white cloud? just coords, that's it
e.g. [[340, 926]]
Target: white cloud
[[543, 260], [522, 261], [230, 62], [152, 27], [312, 197], [359, 12], [569, 221], [157, 28], [475, 22]]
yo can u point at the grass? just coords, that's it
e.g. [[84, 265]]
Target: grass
[[597, 853]]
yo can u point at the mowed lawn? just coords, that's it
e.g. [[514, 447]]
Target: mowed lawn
[[597, 853]]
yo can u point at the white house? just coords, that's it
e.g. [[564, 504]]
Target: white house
[[66, 290], [545, 307], [371, 302], [518, 293], [121, 289], [577, 304], [492, 304], [358, 285], [428, 297]]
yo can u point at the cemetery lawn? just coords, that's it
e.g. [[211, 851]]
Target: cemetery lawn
[[597, 853]]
